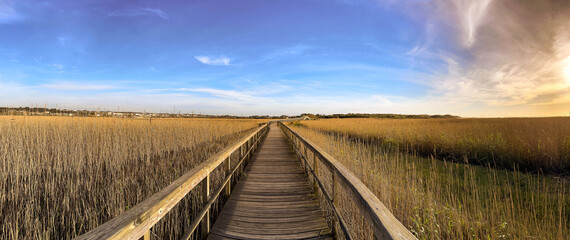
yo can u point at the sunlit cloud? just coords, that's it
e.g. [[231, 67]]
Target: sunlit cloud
[[498, 53], [471, 14], [225, 61]]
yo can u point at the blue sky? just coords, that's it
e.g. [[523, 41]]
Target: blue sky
[[471, 58]]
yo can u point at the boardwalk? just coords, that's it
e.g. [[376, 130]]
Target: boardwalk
[[273, 199]]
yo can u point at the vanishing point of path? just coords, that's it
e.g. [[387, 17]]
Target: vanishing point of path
[[273, 199]]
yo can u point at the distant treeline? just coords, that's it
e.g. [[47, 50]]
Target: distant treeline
[[42, 111], [378, 115]]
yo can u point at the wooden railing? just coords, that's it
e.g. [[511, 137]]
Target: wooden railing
[[383, 223], [137, 221]]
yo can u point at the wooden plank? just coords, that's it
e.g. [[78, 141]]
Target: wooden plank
[[266, 226], [269, 205], [313, 234], [218, 237], [273, 200], [245, 213], [282, 219], [274, 229]]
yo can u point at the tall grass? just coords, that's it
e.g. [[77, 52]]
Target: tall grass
[[62, 176], [529, 144], [445, 200]]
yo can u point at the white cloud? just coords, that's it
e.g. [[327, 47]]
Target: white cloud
[[229, 94], [471, 13], [382, 100], [499, 54], [224, 61], [61, 41], [7, 12], [76, 86], [156, 12], [141, 12]]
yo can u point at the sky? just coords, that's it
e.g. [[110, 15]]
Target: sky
[[473, 58]]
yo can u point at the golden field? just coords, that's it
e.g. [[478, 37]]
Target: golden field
[[62, 176], [438, 199], [529, 144]]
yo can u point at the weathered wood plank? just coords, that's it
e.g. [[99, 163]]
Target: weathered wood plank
[[218, 237], [274, 229], [314, 234], [273, 200], [272, 215], [282, 219]]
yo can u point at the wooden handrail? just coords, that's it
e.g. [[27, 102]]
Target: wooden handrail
[[137, 221], [380, 219]]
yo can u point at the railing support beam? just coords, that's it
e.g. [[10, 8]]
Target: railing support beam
[[205, 198], [228, 174]]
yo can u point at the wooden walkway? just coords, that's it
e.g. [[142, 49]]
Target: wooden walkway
[[273, 199]]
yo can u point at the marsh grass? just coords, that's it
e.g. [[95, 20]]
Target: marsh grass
[[63, 176], [538, 145], [447, 200]]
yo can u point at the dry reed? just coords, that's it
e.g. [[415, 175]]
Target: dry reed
[[444, 200], [62, 176], [529, 144]]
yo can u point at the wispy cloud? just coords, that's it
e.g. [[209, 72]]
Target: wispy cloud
[[141, 12], [287, 52], [471, 14], [77, 86], [61, 41], [7, 12], [59, 67], [497, 53], [220, 61], [228, 94]]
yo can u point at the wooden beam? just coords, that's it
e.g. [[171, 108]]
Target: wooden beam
[[229, 174], [147, 235], [205, 198]]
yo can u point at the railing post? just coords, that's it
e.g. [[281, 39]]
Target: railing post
[[228, 173], [241, 157], [316, 172], [334, 187], [147, 235], [205, 196], [246, 150], [334, 198], [303, 159]]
